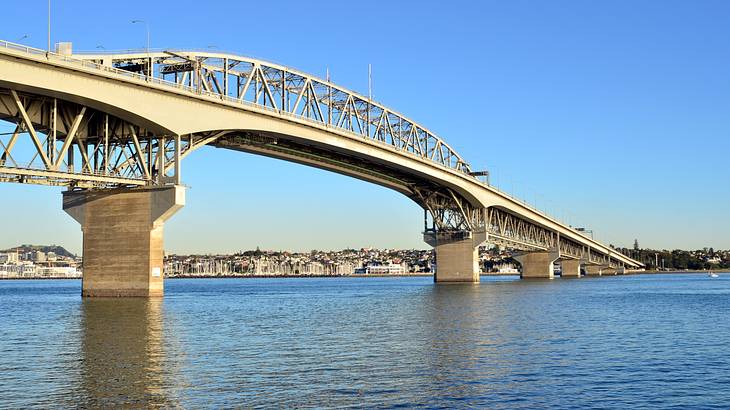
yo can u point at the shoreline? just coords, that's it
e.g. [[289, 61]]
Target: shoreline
[[400, 275]]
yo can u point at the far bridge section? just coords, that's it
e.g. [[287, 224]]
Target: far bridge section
[[115, 128]]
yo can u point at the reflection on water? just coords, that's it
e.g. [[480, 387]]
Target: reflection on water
[[476, 335], [122, 352], [622, 342], [455, 318]]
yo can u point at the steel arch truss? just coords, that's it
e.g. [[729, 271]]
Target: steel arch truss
[[289, 93]]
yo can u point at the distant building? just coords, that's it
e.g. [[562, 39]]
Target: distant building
[[17, 270], [57, 272], [391, 269], [8, 258], [506, 268], [39, 256], [714, 261], [29, 270]]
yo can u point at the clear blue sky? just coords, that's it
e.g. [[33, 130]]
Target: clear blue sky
[[613, 115]]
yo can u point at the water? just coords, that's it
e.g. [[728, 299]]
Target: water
[[649, 341]]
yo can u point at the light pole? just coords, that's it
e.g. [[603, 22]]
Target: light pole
[[22, 38], [149, 62], [49, 26], [147, 27]]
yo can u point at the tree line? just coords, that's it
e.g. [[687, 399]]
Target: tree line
[[678, 259]]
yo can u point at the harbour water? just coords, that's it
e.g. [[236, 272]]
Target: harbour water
[[644, 341]]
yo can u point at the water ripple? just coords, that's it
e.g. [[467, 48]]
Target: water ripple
[[635, 342]]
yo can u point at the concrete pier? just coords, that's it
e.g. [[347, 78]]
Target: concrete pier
[[609, 271], [457, 256], [570, 268], [594, 270], [123, 238], [537, 265]]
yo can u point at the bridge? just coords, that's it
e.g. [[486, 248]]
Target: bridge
[[115, 127]]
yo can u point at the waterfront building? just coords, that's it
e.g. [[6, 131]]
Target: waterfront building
[[390, 269], [714, 260], [17, 270], [506, 268], [8, 258], [29, 270], [39, 256]]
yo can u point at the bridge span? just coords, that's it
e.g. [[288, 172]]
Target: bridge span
[[114, 128]]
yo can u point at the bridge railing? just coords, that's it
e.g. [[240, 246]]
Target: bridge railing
[[95, 66]]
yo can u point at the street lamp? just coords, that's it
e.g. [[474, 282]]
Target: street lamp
[[147, 27], [22, 38], [149, 63]]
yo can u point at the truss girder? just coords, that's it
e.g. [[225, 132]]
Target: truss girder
[[518, 232], [448, 211], [602, 259], [291, 93], [505, 228], [56, 142], [571, 249], [598, 258]]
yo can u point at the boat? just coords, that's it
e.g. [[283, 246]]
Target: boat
[[713, 275]]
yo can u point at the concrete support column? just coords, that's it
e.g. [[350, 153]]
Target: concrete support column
[[609, 271], [593, 270], [537, 265], [457, 256], [123, 238], [570, 268]]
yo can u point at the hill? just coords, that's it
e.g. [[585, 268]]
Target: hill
[[58, 250]]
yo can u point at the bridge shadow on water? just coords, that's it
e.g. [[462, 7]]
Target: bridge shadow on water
[[122, 353]]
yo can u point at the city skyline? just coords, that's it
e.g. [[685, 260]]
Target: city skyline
[[612, 118]]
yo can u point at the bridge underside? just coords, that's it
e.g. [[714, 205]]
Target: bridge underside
[[453, 226], [56, 142]]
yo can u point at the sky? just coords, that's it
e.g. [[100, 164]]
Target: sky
[[609, 115]]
